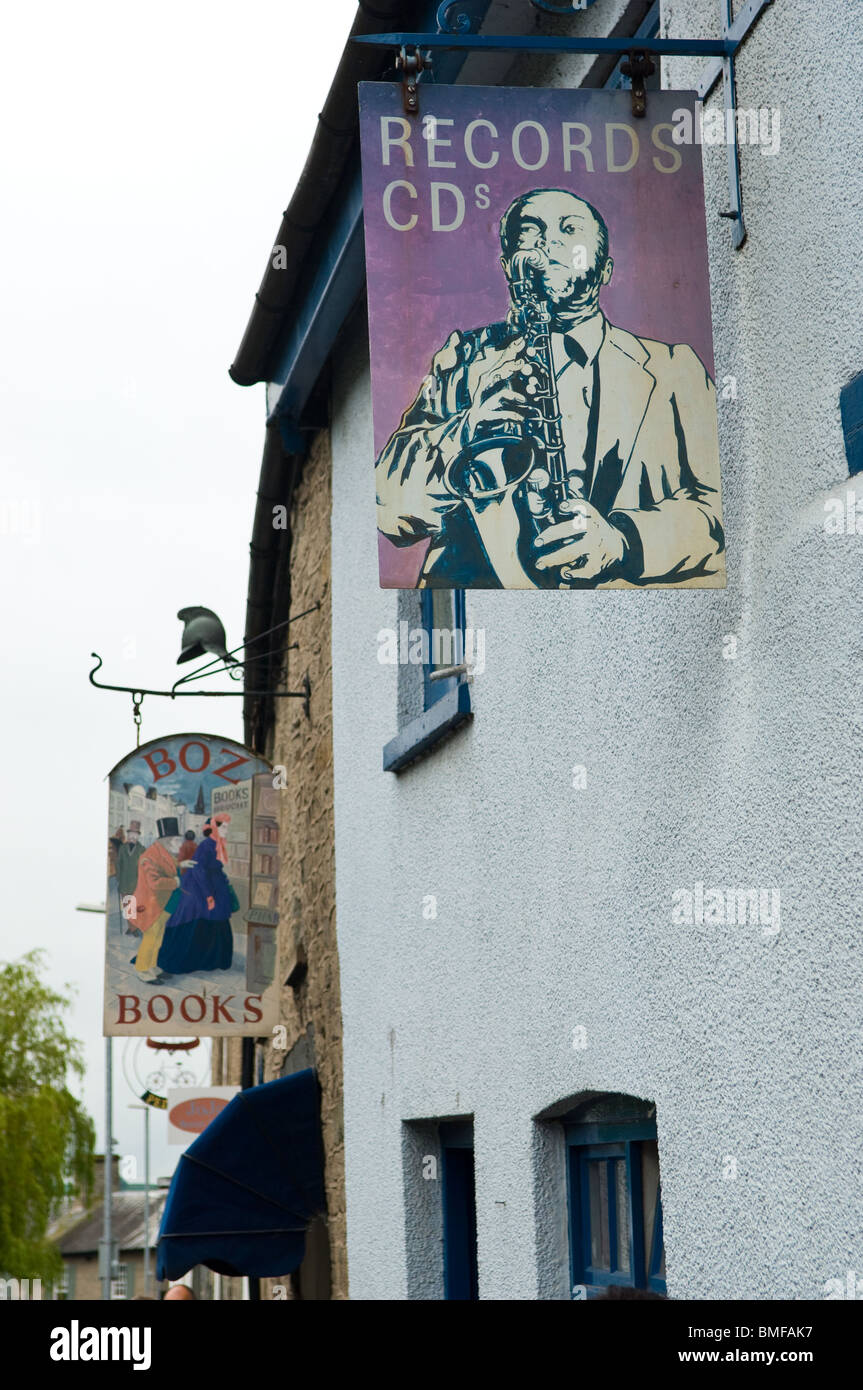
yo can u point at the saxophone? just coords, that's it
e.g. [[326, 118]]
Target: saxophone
[[527, 466]]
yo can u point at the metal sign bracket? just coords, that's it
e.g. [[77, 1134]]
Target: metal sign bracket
[[638, 66], [411, 63], [218, 667], [454, 33], [734, 30]]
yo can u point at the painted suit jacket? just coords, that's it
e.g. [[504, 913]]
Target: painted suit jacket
[[655, 472], [157, 879]]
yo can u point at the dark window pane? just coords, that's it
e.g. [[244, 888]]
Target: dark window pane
[[623, 1235], [442, 645], [650, 1189], [460, 1260], [600, 1254]]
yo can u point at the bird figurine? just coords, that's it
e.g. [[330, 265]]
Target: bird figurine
[[203, 632]]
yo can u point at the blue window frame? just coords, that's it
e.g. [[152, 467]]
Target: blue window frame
[[615, 1206], [459, 1211], [443, 620], [656, 1262], [851, 409], [446, 697]]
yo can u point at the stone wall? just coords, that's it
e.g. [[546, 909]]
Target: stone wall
[[310, 1007], [311, 1010]]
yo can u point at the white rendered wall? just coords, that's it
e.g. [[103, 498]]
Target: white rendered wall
[[554, 904]]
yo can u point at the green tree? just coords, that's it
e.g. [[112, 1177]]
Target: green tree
[[46, 1136]]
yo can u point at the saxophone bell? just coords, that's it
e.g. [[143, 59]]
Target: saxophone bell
[[525, 463], [499, 462], [490, 467]]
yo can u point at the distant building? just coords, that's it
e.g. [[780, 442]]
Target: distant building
[[148, 807], [78, 1237]]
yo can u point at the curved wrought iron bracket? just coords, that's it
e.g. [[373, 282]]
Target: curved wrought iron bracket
[[217, 667], [138, 693], [450, 23]]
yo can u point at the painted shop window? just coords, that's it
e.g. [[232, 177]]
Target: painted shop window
[[431, 649], [459, 1210], [614, 1197]]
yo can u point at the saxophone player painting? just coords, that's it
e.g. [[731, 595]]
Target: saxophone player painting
[[570, 440]]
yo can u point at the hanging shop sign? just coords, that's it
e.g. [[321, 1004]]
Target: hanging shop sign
[[541, 343], [192, 898], [190, 1109]]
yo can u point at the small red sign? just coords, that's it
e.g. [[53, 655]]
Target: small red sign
[[194, 1115]]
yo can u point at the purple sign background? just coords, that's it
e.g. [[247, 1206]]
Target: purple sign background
[[423, 284]]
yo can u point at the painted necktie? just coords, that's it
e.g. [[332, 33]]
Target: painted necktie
[[576, 393]]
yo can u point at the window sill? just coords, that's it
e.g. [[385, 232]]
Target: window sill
[[422, 734]]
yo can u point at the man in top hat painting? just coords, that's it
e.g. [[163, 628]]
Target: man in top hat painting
[[158, 876], [127, 856], [129, 853]]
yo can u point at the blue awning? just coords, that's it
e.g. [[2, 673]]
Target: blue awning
[[245, 1191]]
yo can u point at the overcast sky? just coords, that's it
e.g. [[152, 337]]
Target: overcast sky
[[147, 155]]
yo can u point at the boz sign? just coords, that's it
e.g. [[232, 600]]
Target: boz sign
[[191, 905]]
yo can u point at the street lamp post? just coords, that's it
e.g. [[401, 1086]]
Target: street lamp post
[[107, 1265], [108, 1262], [146, 1110]]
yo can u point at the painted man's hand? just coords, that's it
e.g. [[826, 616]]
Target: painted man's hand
[[581, 548], [501, 397]]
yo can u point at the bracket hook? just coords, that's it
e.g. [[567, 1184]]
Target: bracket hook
[[137, 701], [411, 64], [637, 66]]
